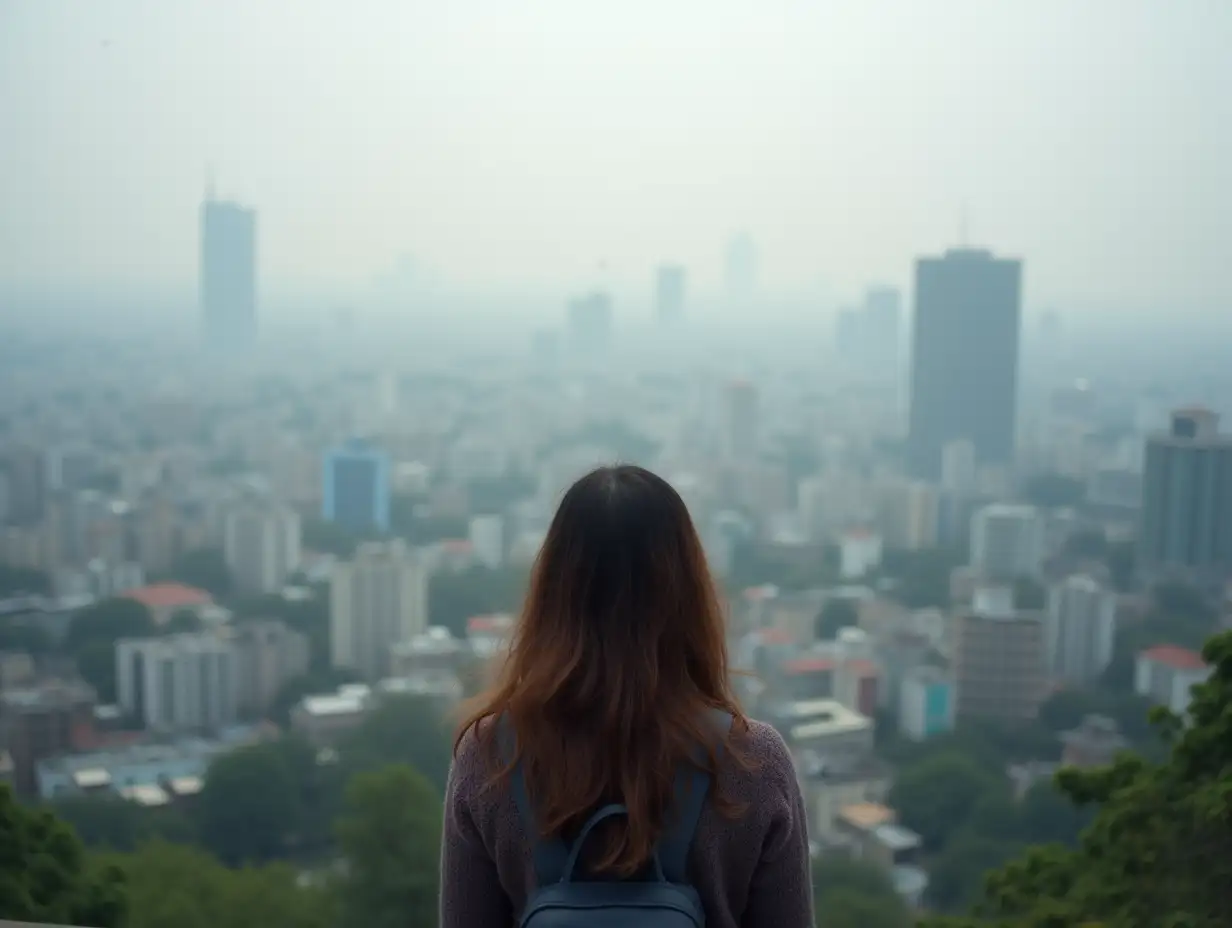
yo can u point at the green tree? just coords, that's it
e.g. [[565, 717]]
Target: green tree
[[956, 875], [173, 886], [119, 825], [309, 684], [935, 797], [838, 612], [455, 596], [92, 635], [108, 621], [206, 569], [186, 620], [329, 538], [45, 875], [851, 893], [249, 806], [401, 730], [389, 836], [1159, 849], [24, 580]]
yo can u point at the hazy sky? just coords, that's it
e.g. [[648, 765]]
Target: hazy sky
[[523, 142]]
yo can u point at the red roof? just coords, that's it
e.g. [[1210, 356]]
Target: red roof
[[457, 545], [1177, 658], [808, 665], [862, 667], [169, 596], [488, 623], [775, 635]]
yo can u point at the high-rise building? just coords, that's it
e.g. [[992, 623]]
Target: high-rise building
[[590, 324], [355, 488], [1007, 541], [228, 273], [261, 545], [964, 353], [377, 599], [998, 659], [178, 683], [740, 421], [268, 654], [670, 294], [1186, 516], [868, 337], [1079, 629]]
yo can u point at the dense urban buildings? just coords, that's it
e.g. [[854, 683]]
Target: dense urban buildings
[[1007, 541], [228, 273], [1186, 525], [1079, 629], [590, 324], [964, 359], [261, 545]]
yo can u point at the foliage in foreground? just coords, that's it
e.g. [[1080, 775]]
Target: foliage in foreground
[[46, 876], [1158, 853]]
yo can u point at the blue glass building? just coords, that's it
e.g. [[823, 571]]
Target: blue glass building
[[355, 488]]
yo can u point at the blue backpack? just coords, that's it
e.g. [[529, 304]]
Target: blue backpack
[[563, 900]]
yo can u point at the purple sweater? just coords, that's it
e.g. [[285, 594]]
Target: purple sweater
[[751, 872]]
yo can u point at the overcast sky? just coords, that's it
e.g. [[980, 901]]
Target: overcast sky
[[523, 142]]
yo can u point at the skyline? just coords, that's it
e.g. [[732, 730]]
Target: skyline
[[614, 140]]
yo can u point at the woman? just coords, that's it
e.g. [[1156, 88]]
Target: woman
[[611, 686]]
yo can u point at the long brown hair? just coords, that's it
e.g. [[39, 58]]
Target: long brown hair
[[619, 652]]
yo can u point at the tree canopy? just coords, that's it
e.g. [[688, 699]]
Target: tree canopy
[[92, 635], [1158, 850], [851, 893], [249, 805], [390, 835], [45, 875]]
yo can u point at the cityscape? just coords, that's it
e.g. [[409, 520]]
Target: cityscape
[[969, 542]]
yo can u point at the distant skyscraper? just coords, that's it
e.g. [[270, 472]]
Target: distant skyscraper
[[669, 294], [356, 488], [1186, 516], [964, 377], [590, 323], [868, 336], [741, 267], [228, 273]]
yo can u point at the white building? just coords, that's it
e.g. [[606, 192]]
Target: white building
[[1007, 541], [1079, 629], [261, 544], [1166, 674], [178, 683], [377, 599], [487, 537], [268, 654], [860, 553]]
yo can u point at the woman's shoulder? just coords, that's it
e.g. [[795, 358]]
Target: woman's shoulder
[[764, 752]]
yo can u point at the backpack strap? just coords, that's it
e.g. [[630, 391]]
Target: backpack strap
[[689, 798], [549, 855]]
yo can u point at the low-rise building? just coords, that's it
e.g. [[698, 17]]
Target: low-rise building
[[166, 599], [1094, 743], [1166, 673]]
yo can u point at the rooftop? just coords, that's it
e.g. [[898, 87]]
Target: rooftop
[[866, 816], [1174, 656], [169, 596]]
